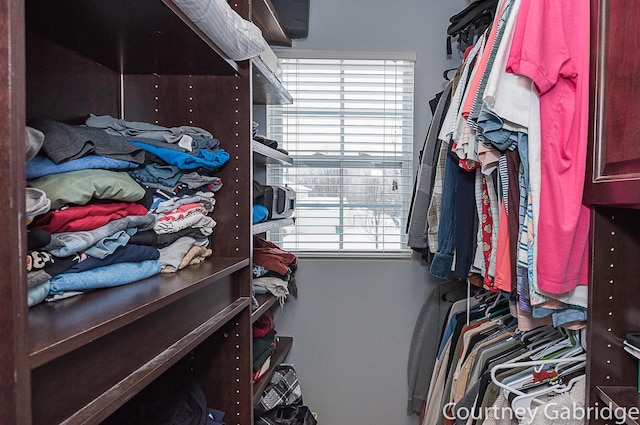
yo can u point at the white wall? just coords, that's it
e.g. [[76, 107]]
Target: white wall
[[353, 320]]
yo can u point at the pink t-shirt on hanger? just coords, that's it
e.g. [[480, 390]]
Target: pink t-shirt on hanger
[[551, 47]]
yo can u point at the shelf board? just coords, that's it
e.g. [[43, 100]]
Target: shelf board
[[153, 37], [620, 397], [102, 406], [267, 89], [59, 327], [263, 154], [266, 18], [282, 349], [271, 225], [266, 301]]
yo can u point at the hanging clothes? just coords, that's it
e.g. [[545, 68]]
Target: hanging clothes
[[442, 301], [507, 187], [417, 227], [559, 67]]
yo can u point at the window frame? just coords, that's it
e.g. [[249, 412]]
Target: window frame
[[406, 158]]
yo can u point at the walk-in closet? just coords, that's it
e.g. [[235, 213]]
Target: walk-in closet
[[494, 281]]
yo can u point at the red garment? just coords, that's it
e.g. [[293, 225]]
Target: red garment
[[269, 256], [503, 277], [87, 217], [544, 375], [263, 325], [184, 211], [487, 230]]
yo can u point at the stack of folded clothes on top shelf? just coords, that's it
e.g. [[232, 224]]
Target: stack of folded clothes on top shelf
[[112, 202]]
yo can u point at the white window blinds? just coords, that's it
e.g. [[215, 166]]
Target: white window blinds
[[350, 134]]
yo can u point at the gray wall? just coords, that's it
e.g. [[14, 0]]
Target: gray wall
[[353, 320]]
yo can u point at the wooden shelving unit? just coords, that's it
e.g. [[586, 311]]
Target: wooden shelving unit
[[621, 399], [79, 360], [266, 18]]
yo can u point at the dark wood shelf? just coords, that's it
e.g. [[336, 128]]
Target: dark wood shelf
[[271, 225], [266, 18], [620, 397], [267, 89], [152, 37], [59, 327], [263, 154], [107, 402], [266, 301], [282, 349]]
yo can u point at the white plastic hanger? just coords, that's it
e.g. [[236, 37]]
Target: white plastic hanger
[[517, 391], [523, 403]]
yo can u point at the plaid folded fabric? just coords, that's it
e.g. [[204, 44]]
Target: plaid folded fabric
[[283, 390]]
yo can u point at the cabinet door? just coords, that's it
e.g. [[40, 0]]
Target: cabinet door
[[614, 165]]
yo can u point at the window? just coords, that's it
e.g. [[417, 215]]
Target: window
[[350, 134]]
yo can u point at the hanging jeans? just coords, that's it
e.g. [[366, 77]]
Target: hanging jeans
[[443, 258]]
